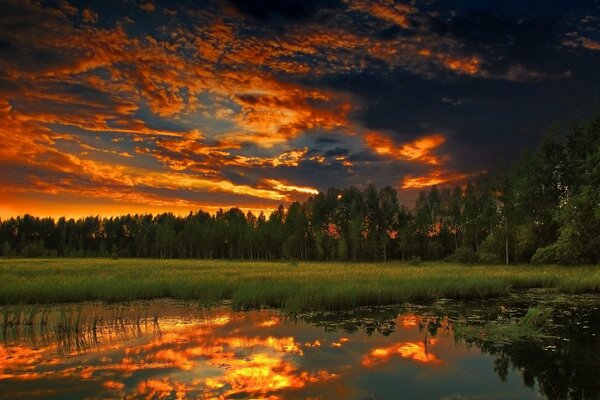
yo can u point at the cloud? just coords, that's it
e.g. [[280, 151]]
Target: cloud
[[582, 41], [420, 150], [147, 6], [89, 16], [436, 177], [389, 11], [283, 187]]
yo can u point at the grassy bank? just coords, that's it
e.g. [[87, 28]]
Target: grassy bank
[[301, 287]]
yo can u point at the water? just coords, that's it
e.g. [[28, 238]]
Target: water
[[167, 350]]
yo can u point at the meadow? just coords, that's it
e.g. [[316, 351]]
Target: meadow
[[294, 287]]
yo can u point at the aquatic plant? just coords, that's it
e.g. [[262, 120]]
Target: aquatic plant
[[531, 326]]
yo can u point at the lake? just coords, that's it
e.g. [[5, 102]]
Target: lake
[[169, 350]]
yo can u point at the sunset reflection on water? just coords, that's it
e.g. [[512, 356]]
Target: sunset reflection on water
[[226, 354]]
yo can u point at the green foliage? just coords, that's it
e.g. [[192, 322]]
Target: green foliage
[[580, 227], [527, 240], [535, 318], [579, 235], [545, 255]]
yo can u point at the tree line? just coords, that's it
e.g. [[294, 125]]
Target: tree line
[[545, 209]]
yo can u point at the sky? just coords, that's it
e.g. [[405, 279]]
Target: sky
[[134, 106]]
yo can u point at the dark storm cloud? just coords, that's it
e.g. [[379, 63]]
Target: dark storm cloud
[[506, 42]]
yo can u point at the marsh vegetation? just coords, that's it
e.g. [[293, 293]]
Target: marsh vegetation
[[291, 286]]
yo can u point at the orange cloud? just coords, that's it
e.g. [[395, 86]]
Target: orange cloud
[[387, 10], [590, 44], [419, 150], [182, 154], [465, 65], [283, 187], [436, 177], [148, 6]]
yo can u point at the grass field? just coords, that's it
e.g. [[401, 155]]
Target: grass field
[[300, 287]]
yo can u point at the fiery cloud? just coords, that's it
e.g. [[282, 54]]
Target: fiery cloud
[[420, 150], [436, 177], [283, 187]]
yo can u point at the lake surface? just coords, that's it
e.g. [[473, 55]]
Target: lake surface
[[164, 350]]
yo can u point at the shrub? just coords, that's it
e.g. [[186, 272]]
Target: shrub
[[464, 255], [544, 255]]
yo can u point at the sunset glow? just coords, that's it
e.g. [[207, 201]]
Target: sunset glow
[[141, 107]]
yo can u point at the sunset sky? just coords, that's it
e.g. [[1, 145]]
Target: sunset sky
[[131, 106]]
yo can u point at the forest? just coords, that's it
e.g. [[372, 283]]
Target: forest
[[544, 209]]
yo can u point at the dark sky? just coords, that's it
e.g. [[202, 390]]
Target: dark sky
[[111, 107]]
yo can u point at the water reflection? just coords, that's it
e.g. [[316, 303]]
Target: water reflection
[[563, 367], [409, 350], [177, 351]]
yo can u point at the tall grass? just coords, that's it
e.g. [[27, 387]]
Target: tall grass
[[302, 287]]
